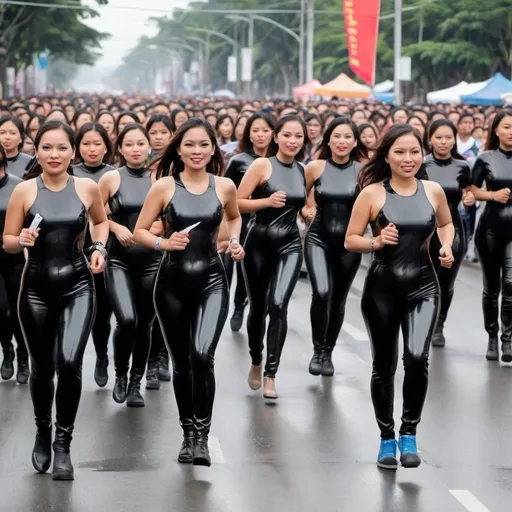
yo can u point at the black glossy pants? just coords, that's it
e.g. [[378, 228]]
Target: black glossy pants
[[10, 282], [331, 274], [158, 348], [386, 307], [271, 271], [495, 250], [192, 320], [130, 289], [101, 327], [56, 327]]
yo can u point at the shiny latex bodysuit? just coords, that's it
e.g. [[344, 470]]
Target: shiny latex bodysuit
[[272, 264], [129, 279], [19, 164], [331, 267], [191, 299], [493, 240], [453, 176], [56, 307], [401, 290]]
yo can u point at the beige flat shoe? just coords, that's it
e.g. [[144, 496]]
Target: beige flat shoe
[[269, 388], [254, 378]]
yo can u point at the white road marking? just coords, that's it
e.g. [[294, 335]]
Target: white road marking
[[356, 333], [216, 455], [469, 501]]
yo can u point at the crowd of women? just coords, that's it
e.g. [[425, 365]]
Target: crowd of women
[[141, 208]]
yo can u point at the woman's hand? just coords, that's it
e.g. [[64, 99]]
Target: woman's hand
[[28, 237], [308, 215], [97, 263], [501, 196], [124, 236], [388, 236], [468, 199], [446, 256], [237, 251], [177, 242], [277, 199]]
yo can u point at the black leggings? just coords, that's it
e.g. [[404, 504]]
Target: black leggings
[[56, 329], [331, 273], [495, 251], [271, 276], [158, 349], [130, 289], [101, 327], [385, 309], [10, 282]]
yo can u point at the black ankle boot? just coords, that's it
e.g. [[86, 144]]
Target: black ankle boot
[[134, 398], [237, 319], [186, 455], [315, 365], [492, 349], [7, 368], [506, 352], [327, 366], [163, 368], [152, 381], [42, 452], [119, 391], [23, 372], [62, 466], [101, 371], [438, 339], [201, 452]]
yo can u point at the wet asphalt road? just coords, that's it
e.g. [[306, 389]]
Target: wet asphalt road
[[313, 450]]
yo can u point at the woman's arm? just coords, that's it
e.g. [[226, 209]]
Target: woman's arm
[[313, 171], [97, 216], [15, 237], [253, 177], [233, 220], [445, 229]]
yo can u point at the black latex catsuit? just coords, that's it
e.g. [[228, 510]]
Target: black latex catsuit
[[236, 170], [272, 263], [18, 165], [493, 240], [56, 306], [331, 267], [191, 300], [453, 176], [129, 278], [101, 326], [11, 268], [401, 290]]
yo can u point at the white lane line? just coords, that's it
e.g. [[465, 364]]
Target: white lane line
[[469, 501], [356, 333], [216, 454]]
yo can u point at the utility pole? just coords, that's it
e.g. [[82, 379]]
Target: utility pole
[[301, 43], [397, 100], [310, 39]]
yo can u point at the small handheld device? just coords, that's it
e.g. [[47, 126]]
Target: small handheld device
[[35, 222], [190, 228]]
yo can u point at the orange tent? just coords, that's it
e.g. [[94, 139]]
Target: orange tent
[[343, 87]]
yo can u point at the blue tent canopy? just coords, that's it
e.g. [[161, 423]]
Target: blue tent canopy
[[491, 93]]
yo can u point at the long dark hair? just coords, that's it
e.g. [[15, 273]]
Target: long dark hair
[[171, 163], [94, 127], [16, 121], [128, 113], [220, 120], [493, 141], [160, 118], [435, 126], [130, 127], [245, 145], [358, 152], [273, 147], [50, 126], [377, 169]]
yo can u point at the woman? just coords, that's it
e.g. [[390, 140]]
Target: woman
[[446, 167], [80, 118], [159, 128], [131, 270], [493, 237], [331, 185], [108, 121], [314, 126], [224, 129], [11, 138], [401, 287], [191, 291], [178, 118], [255, 141], [94, 149], [369, 137], [11, 268], [56, 302], [274, 189]]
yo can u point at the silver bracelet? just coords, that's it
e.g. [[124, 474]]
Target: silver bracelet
[[234, 238], [100, 247], [158, 241]]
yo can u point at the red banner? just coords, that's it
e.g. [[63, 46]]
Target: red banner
[[362, 30]]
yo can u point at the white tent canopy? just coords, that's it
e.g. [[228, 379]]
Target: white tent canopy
[[386, 86], [452, 94]]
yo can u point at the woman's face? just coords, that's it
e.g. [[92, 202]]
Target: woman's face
[[405, 156], [368, 138], [226, 128], [212, 119], [504, 132], [33, 127], [159, 136], [314, 130], [124, 121], [196, 149], [81, 120], [260, 134], [10, 137], [55, 152], [92, 149], [181, 118], [290, 139], [135, 148], [400, 117], [70, 111], [358, 117], [57, 116], [416, 123], [442, 141], [107, 122], [28, 146], [342, 141], [240, 127]]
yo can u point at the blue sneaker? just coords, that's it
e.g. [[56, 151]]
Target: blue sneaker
[[408, 452], [387, 454]]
